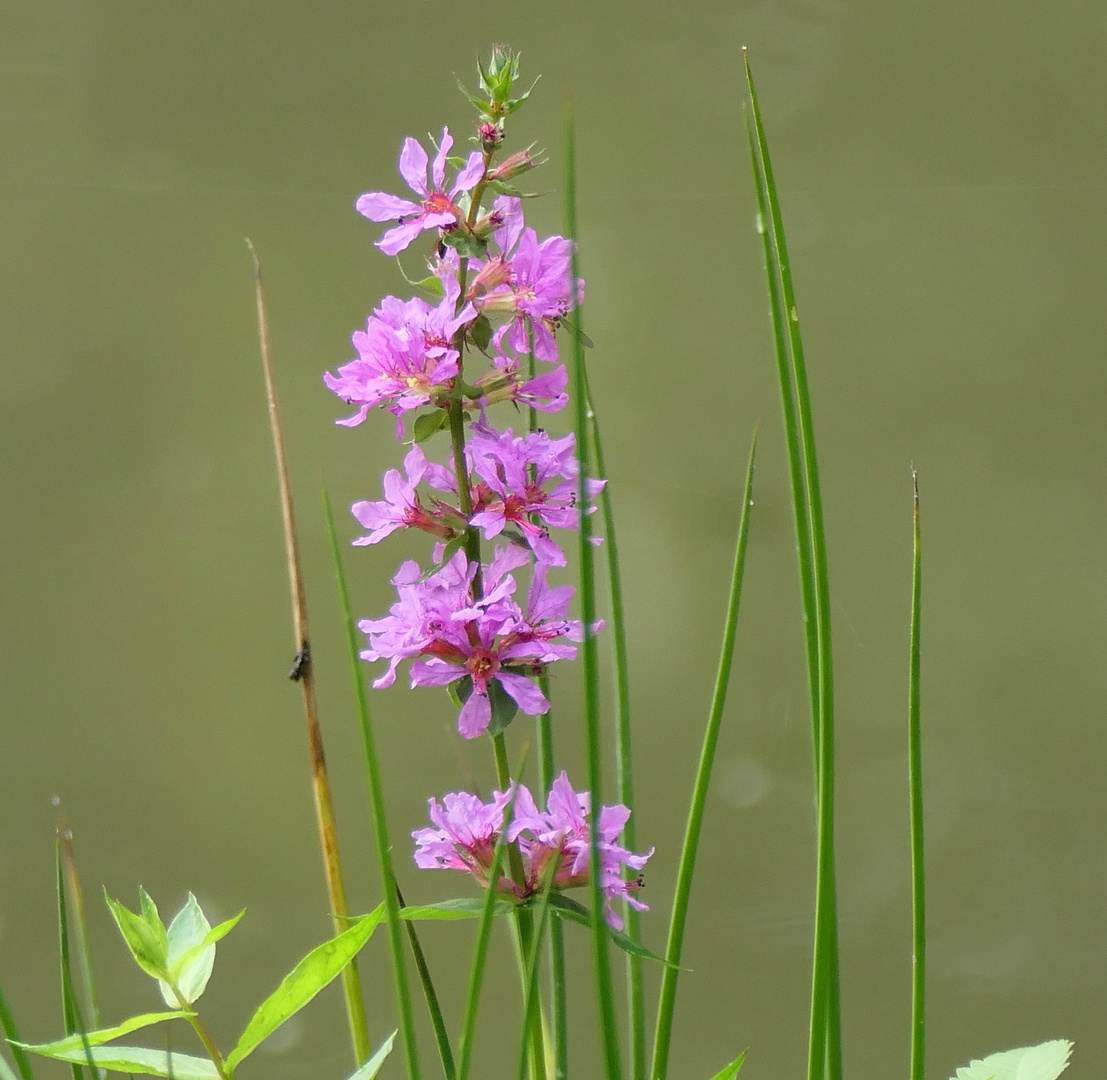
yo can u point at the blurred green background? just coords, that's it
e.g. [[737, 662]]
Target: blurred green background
[[943, 170]]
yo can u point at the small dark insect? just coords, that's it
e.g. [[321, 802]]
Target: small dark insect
[[300, 663]]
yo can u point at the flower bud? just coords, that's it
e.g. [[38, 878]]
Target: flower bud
[[491, 135], [494, 273], [519, 162]]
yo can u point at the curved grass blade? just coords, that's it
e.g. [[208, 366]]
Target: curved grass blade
[[682, 894], [303, 673], [613, 1069], [11, 1033], [323, 964], [376, 799], [914, 773], [825, 1049]]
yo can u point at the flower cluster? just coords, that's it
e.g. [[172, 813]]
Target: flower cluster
[[485, 335], [552, 844]]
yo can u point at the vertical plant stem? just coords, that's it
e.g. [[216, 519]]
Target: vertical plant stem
[[825, 1043], [530, 980], [71, 1008], [914, 772], [304, 674], [686, 872], [380, 822], [11, 1033], [601, 962], [441, 1037], [624, 767]]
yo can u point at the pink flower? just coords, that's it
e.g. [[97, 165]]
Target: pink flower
[[436, 208], [401, 507], [554, 841]]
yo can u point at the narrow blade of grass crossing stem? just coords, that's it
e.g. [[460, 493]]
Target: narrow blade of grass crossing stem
[[302, 672], [686, 872], [624, 767], [480, 952], [825, 1052], [11, 1034], [71, 1007], [376, 801], [430, 995], [914, 772], [77, 902], [530, 982], [602, 963]]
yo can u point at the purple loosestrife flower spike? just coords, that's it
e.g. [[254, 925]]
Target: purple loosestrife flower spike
[[436, 208], [515, 472], [551, 841]]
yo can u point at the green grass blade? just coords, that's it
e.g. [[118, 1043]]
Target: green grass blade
[[80, 923], [71, 1007], [914, 772], [376, 799], [480, 952], [430, 995], [624, 766], [613, 1069], [530, 981], [683, 892], [825, 1043], [11, 1033]]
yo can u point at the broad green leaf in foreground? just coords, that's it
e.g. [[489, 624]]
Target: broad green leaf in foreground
[[77, 1042], [729, 1072], [1046, 1061], [191, 952], [373, 1065], [141, 1059], [303, 982]]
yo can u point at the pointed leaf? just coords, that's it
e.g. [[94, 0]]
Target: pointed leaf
[[303, 982], [216, 933], [149, 947], [191, 955], [480, 332], [98, 1038], [461, 908], [373, 1065], [141, 1059], [729, 1072], [578, 913], [426, 424], [1046, 1061]]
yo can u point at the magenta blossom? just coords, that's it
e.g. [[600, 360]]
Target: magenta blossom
[[554, 842], [459, 638], [401, 507], [516, 474], [406, 357], [436, 208]]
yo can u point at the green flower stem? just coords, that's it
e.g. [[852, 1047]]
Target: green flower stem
[[376, 799], [601, 961], [11, 1033], [914, 771], [202, 1034], [685, 873], [624, 769], [825, 1052]]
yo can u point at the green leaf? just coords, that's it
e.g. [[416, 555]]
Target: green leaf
[[461, 690], [578, 913], [504, 707], [465, 243], [191, 952], [98, 1038], [144, 934], [373, 1065], [303, 982], [481, 332], [1046, 1061], [729, 1072], [141, 1059], [461, 908], [426, 424]]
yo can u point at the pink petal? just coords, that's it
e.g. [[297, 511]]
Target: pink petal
[[380, 206], [475, 716], [467, 179], [527, 696], [413, 166], [438, 173]]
